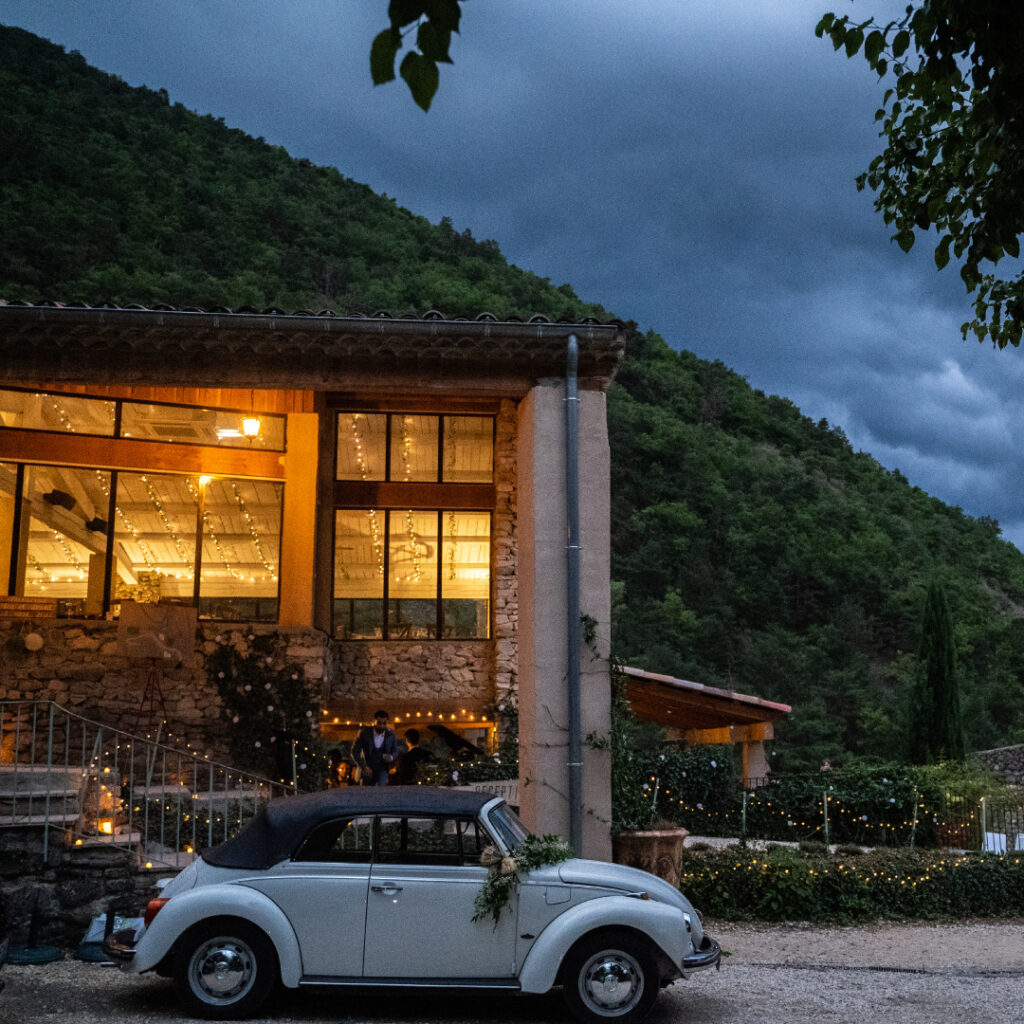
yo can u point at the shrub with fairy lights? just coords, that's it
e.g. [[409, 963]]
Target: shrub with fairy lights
[[271, 706], [786, 884]]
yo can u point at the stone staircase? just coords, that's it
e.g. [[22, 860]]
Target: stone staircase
[[37, 795]]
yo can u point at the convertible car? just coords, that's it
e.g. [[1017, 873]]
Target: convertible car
[[371, 887]]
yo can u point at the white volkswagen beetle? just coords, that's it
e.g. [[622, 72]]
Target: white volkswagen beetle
[[321, 889]]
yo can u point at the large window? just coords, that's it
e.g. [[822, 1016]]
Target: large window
[[394, 580], [412, 526], [88, 537], [141, 421], [415, 447]]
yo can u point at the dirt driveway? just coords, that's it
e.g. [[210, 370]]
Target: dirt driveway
[[776, 974]]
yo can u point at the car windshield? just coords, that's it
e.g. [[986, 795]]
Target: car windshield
[[511, 831]]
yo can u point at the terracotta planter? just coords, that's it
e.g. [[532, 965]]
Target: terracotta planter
[[659, 851]]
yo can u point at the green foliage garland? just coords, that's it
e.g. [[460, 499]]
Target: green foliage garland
[[269, 704], [505, 872]]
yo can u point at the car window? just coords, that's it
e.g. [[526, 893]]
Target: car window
[[511, 831], [344, 840], [427, 839]]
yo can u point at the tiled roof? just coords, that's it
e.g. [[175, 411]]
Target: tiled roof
[[137, 343]]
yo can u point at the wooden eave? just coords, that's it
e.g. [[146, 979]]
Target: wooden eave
[[313, 351], [687, 706]]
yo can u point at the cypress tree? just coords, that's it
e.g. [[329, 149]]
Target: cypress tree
[[935, 724]]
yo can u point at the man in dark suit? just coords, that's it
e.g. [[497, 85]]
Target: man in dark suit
[[411, 759], [375, 750]]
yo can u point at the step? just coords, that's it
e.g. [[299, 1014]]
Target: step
[[38, 820]]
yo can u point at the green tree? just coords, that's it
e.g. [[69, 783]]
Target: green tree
[[935, 723], [953, 122]]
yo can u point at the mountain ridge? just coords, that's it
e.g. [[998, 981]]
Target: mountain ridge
[[752, 547]]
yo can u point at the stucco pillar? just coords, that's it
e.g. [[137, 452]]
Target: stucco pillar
[[543, 695]]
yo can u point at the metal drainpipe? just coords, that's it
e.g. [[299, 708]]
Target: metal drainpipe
[[572, 561]]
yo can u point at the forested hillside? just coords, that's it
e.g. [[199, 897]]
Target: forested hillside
[[752, 547]]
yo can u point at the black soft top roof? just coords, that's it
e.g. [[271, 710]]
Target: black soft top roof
[[277, 829]]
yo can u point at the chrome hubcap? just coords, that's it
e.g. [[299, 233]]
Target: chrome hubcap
[[222, 970], [611, 983]]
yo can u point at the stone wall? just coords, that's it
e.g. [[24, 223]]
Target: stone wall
[[68, 890], [78, 664], [1006, 762]]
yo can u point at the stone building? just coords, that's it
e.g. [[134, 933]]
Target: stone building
[[384, 498]]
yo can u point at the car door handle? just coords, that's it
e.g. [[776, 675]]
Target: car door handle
[[387, 889]]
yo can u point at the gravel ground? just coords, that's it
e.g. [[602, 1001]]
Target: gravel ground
[[776, 974]]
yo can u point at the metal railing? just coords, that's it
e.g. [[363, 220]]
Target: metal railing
[[102, 786]]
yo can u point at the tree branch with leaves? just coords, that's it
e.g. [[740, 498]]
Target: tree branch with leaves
[[433, 21], [953, 121]]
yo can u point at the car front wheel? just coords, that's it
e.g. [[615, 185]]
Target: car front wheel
[[224, 970], [610, 976]]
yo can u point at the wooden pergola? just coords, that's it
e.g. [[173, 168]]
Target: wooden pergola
[[705, 714]]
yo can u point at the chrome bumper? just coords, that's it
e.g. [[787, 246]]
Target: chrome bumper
[[118, 945], [709, 955]]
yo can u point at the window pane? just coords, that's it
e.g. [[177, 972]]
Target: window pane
[[466, 575], [65, 514], [155, 538], [413, 448], [8, 482], [241, 550], [359, 540], [417, 841], [468, 449], [362, 446], [347, 841], [65, 413], [412, 575], [221, 427]]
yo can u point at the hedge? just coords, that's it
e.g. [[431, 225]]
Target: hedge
[[787, 884]]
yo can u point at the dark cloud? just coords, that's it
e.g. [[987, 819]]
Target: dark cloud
[[690, 166]]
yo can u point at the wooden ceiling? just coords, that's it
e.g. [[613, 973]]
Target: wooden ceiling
[[681, 704]]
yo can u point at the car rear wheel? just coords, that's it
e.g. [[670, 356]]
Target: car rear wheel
[[610, 976], [225, 970]]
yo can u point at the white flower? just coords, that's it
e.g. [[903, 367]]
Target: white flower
[[257, 744], [309, 714], [266, 686], [248, 687], [270, 707]]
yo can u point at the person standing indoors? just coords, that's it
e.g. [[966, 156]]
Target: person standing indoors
[[375, 750]]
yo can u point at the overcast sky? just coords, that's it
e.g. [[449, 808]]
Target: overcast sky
[[688, 164]]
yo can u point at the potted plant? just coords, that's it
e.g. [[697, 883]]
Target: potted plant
[[641, 838]]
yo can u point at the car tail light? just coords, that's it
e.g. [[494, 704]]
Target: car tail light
[[153, 907]]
